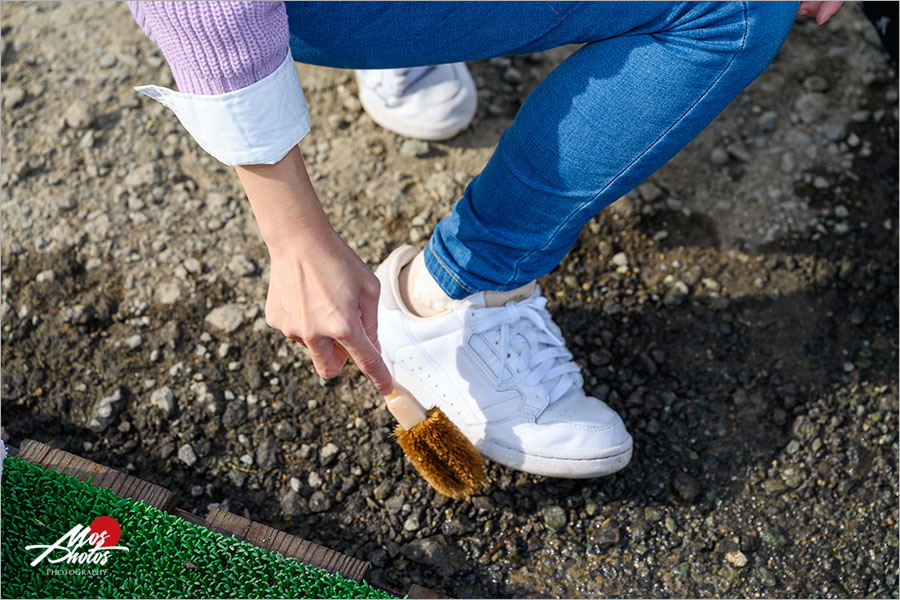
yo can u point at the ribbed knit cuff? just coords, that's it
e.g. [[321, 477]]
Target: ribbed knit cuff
[[216, 47]]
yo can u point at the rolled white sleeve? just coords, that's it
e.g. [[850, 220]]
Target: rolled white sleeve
[[257, 124]]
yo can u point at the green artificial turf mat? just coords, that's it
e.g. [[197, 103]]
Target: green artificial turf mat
[[167, 557]]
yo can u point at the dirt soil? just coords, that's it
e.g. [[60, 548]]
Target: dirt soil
[[739, 309]]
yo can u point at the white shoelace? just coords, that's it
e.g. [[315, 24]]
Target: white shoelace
[[395, 82], [524, 328]]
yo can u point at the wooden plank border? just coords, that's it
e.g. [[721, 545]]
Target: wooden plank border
[[101, 476]]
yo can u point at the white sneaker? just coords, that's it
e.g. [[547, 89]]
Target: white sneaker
[[502, 374], [428, 103]]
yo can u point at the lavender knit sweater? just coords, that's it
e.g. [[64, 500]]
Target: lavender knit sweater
[[216, 47]]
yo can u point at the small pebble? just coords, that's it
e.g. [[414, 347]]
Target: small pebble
[[186, 455], [414, 148], [554, 517], [13, 96]]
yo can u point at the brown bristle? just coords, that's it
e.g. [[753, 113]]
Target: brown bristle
[[442, 455]]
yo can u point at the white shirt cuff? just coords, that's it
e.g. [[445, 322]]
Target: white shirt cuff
[[258, 124]]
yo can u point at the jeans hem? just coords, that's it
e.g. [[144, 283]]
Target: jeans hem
[[444, 277]]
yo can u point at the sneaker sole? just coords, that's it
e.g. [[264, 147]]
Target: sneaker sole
[[564, 468], [415, 131]]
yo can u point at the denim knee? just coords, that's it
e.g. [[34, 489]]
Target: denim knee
[[768, 25]]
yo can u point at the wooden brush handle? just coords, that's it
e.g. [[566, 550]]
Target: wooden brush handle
[[405, 408]]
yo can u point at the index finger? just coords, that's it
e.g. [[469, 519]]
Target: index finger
[[827, 10], [363, 352]]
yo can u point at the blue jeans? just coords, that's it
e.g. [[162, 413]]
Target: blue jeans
[[649, 78]]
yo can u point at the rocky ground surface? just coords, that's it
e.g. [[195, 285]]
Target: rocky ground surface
[[739, 309]]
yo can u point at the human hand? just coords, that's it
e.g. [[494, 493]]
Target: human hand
[[320, 293], [326, 298], [822, 10]]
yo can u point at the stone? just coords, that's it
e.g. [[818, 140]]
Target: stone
[[133, 341], [13, 96], [411, 523], [414, 148], [107, 61], [285, 431], [383, 489], [739, 151], [241, 265], [164, 399], [685, 486], [105, 411], [620, 259], [773, 486], [235, 412], [811, 107], [554, 517], [603, 533], [437, 552], [207, 397], [168, 292], [227, 318], [793, 476], [187, 455], [650, 192], [352, 104], [143, 175], [815, 83], [512, 75], [737, 558], [293, 505], [98, 228], [442, 185], [295, 484], [718, 157], [267, 453], [319, 502], [79, 115], [834, 131], [394, 503], [328, 453], [45, 276], [774, 537], [314, 480], [767, 120]]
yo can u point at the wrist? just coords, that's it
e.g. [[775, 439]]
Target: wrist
[[286, 207]]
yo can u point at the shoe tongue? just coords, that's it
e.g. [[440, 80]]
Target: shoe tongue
[[496, 299]]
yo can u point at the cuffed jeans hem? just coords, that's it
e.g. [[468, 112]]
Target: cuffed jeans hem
[[437, 263]]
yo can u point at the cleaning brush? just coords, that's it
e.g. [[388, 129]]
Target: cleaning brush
[[438, 450]]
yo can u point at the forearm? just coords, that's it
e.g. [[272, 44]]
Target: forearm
[[285, 204]]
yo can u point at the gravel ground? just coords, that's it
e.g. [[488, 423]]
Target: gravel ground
[[739, 309]]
